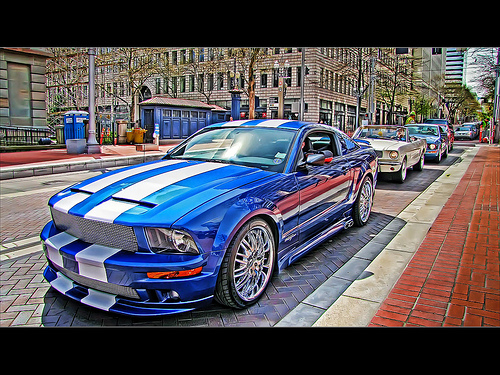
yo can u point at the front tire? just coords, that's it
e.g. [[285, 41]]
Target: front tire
[[247, 266], [401, 174], [363, 205]]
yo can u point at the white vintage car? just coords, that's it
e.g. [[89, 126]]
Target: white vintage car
[[396, 149]]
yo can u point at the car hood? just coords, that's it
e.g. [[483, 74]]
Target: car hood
[[428, 138], [384, 144], [156, 193]]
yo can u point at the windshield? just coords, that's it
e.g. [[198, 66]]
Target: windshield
[[423, 130], [384, 132], [436, 121], [254, 147], [464, 129]]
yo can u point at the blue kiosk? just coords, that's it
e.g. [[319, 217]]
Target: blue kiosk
[[178, 118]]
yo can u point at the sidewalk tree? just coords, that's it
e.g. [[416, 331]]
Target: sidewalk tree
[[394, 77], [247, 60], [67, 78], [460, 101]]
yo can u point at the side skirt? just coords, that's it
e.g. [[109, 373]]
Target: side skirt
[[303, 249]]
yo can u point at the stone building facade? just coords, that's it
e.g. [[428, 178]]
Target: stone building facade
[[22, 87]]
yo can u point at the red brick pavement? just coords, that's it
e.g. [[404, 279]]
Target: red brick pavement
[[453, 278]]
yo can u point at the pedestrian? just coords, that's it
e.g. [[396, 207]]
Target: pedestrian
[[411, 119]]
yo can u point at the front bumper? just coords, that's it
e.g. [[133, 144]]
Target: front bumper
[[432, 154], [116, 280], [389, 166]]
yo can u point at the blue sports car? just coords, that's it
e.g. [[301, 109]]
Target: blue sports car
[[436, 138], [214, 218]]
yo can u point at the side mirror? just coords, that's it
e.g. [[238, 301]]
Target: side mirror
[[315, 159]]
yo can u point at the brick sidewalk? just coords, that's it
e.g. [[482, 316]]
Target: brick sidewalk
[[453, 279]]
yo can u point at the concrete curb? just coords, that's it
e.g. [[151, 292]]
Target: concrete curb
[[74, 166]]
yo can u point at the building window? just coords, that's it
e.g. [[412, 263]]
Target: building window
[[174, 85], [275, 77], [325, 111], [299, 75], [288, 75], [210, 82], [220, 81], [201, 82], [263, 81], [19, 91], [191, 83], [158, 86], [182, 84]]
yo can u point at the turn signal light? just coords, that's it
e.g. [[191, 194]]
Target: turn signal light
[[173, 274]]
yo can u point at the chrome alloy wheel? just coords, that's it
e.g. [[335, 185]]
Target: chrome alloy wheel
[[253, 263], [365, 200]]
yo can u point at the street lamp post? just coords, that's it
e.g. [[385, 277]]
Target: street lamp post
[[235, 96], [92, 145], [282, 74]]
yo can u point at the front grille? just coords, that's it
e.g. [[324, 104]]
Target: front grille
[[96, 232], [119, 290]]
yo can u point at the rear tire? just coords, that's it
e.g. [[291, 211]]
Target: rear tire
[[363, 205], [420, 165]]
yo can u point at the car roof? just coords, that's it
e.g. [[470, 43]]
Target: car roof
[[276, 123]]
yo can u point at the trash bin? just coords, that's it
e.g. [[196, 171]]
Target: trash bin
[[139, 135], [122, 131], [130, 135], [60, 134]]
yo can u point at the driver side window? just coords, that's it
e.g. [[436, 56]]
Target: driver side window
[[317, 142]]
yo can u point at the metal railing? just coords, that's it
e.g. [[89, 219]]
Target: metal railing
[[16, 136]]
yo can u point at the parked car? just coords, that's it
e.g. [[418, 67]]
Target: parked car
[[436, 137], [467, 130], [396, 149], [446, 127], [215, 218]]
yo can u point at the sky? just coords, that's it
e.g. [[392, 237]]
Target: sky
[[472, 69]]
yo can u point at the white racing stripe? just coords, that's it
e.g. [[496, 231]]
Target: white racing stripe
[[95, 186], [109, 210], [151, 185], [67, 203], [62, 283], [54, 243], [273, 123], [99, 299], [235, 123], [91, 261]]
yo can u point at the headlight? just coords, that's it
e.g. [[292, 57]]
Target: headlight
[[162, 240], [432, 146], [393, 154]]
